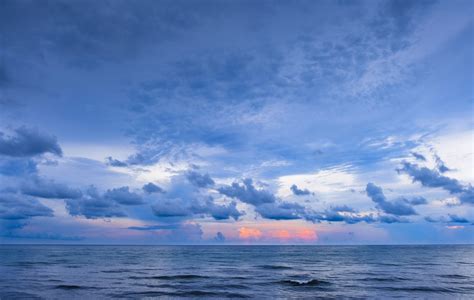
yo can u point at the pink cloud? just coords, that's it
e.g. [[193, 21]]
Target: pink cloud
[[249, 233]]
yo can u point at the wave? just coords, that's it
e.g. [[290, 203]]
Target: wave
[[18, 295], [117, 271], [428, 289], [275, 267], [193, 293], [73, 287], [68, 287], [311, 282], [454, 276], [383, 279], [171, 277], [227, 286]]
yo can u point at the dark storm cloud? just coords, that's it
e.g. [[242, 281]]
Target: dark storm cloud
[[397, 207], [17, 207], [123, 196], [433, 178], [200, 180], [26, 142], [299, 192], [93, 206], [43, 188], [247, 193], [152, 188]]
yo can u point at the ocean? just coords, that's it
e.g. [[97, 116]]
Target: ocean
[[259, 272]]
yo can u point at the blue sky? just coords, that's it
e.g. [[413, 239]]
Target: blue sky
[[255, 122]]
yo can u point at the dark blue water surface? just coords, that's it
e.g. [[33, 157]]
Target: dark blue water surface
[[262, 272]]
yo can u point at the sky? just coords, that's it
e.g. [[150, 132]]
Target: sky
[[236, 122]]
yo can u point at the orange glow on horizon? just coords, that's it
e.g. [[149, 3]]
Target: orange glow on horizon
[[307, 234], [281, 235], [249, 233], [284, 235]]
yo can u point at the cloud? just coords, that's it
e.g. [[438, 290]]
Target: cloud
[[434, 220], [280, 211], [151, 188], [247, 193], [132, 160], [39, 187], [28, 142], [457, 219], [154, 227], [298, 192], [467, 196], [185, 199], [123, 196], [418, 156], [331, 215], [274, 209], [182, 208], [222, 212], [391, 219], [251, 101], [12, 166], [452, 218], [220, 237], [416, 200], [199, 180], [342, 208], [93, 206], [432, 178], [115, 162], [398, 207], [249, 233], [348, 217], [17, 207], [440, 165], [171, 208]]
